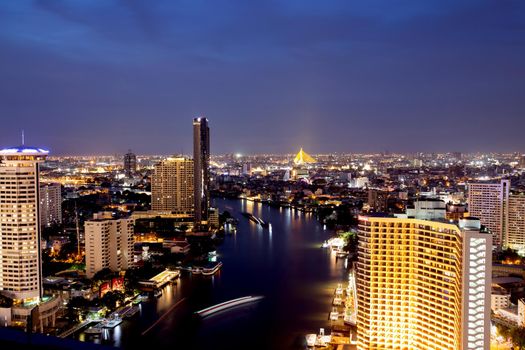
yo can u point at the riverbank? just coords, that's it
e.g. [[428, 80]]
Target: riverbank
[[285, 264]]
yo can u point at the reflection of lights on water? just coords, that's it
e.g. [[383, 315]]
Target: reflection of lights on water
[[346, 263], [117, 333], [324, 227]]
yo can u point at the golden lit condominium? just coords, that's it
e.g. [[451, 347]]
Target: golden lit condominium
[[423, 285], [172, 185]]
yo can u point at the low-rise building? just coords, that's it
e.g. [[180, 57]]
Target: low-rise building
[[499, 298]]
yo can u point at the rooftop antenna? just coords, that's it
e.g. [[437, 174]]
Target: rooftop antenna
[[23, 138]]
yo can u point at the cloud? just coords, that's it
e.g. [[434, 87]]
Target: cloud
[[368, 67]]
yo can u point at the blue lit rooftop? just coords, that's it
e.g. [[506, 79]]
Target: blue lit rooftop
[[23, 150]]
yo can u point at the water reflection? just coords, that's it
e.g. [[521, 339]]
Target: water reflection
[[283, 262]]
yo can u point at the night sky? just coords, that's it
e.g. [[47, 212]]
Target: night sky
[[85, 77]]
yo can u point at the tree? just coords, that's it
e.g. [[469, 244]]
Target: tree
[[503, 331], [76, 306], [517, 335], [103, 274], [110, 299], [5, 301]]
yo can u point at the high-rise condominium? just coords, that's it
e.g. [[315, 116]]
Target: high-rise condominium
[[50, 204], [109, 244], [130, 164], [201, 159], [516, 222], [423, 285], [172, 186], [20, 260], [489, 203]]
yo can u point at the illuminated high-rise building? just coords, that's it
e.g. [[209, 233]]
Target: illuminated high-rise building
[[50, 204], [201, 163], [489, 203], [130, 164], [423, 284], [516, 222], [172, 186], [20, 260]]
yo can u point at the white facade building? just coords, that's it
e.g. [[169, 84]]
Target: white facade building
[[499, 299], [20, 253], [426, 209], [109, 244], [477, 276]]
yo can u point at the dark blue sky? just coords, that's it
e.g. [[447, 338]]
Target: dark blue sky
[[84, 77]]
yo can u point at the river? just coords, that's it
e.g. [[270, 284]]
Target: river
[[283, 263]]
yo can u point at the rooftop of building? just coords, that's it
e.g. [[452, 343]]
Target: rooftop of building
[[466, 224], [498, 290], [428, 199], [23, 150]]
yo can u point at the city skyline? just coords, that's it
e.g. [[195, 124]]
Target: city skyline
[[334, 77], [353, 176]]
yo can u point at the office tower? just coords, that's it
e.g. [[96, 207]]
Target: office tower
[[423, 284], [489, 203], [516, 222], [130, 164], [20, 260], [201, 163], [172, 186], [50, 204], [109, 243]]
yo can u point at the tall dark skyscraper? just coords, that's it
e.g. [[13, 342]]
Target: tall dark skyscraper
[[130, 164], [201, 164]]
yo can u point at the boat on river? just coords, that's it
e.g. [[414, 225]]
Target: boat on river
[[334, 315], [111, 322], [227, 305], [318, 340], [94, 330], [255, 219], [208, 271]]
